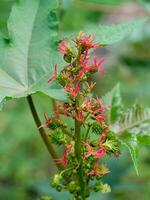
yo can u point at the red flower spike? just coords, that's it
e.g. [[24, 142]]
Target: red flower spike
[[54, 74], [63, 46]]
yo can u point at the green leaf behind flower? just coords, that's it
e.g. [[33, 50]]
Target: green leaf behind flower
[[114, 102], [27, 56], [109, 34]]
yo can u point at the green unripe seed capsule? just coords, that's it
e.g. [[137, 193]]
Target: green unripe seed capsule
[[74, 171], [58, 188], [78, 189], [53, 184], [57, 178], [72, 186], [79, 198]]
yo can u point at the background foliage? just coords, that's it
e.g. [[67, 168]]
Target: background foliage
[[25, 166]]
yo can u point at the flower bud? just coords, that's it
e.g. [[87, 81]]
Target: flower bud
[[105, 188]]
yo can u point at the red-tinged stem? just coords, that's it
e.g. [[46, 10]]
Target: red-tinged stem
[[42, 132]]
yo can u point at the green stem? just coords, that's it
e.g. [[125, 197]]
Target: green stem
[[78, 152], [42, 132]]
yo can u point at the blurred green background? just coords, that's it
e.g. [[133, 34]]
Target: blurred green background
[[25, 166]]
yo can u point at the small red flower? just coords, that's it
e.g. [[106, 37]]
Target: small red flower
[[95, 170], [87, 41], [73, 93], [80, 74], [48, 121], [97, 65], [104, 170], [79, 116], [105, 131], [100, 152], [91, 85], [100, 119], [70, 148], [62, 160], [97, 154], [89, 149], [63, 46], [88, 105], [66, 110], [54, 74], [99, 107]]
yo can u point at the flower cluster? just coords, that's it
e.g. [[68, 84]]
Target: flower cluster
[[88, 140]]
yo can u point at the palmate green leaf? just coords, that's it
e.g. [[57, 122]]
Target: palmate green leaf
[[114, 102], [133, 121], [26, 56], [109, 34]]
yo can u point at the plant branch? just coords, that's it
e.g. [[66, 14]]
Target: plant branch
[[42, 132]]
